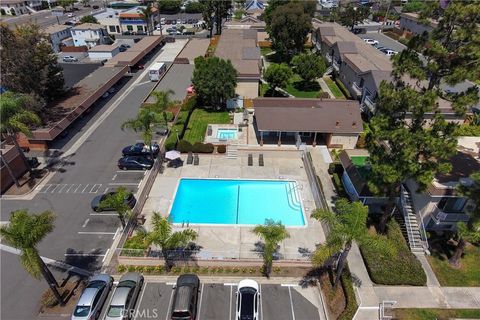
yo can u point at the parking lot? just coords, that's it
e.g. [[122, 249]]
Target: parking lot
[[216, 301], [384, 41]]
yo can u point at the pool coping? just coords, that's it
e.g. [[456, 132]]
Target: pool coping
[[236, 225]]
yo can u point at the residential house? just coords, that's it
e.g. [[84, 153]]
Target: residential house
[[59, 35], [132, 21], [334, 123], [104, 51], [241, 48], [411, 25], [14, 7], [90, 35], [110, 19], [11, 165]]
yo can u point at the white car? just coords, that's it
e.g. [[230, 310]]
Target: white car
[[248, 300], [70, 15], [389, 52], [372, 42]]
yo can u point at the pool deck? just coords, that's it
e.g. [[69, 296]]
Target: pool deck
[[233, 241]]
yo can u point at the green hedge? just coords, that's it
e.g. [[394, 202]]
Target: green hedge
[[344, 90], [468, 131], [351, 303], [171, 141], [221, 148], [337, 182], [399, 268], [184, 146], [203, 147], [137, 244]]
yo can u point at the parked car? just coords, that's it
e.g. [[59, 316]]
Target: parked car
[[71, 15], [95, 7], [112, 90], [69, 59], [129, 201], [248, 299], [122, 49], [125, 297], [372, 42], [93, 297], [140, 149], [33, 162], [135, 163], [389, 52], [184, 306], [105, 95]]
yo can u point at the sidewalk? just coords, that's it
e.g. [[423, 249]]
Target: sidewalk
[[325, 87]]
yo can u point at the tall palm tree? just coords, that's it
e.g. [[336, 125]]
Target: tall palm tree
[[146, 119], [162, 102], [348, 224], [14, 118], [146, 15], [116, 201], [272, 234], [24, 232], [163, 236]]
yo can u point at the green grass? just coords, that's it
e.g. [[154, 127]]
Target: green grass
[[359, 160], [178, 127], [433, 314], [265, 50], [467, 275], [400, 267], [334, 88], [297, 88], [197, 125], [264, 88]]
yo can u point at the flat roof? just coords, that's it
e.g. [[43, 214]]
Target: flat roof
[[87, 26], [308, 115], [54, 28], [136, 52], [103, 48], [194, 48]]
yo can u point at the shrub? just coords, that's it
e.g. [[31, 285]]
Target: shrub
[[135, 246], [205, 270], [199, 147], [149, 269], [131, 268], [323, 95], [235, 270], [159, 269], [184, 146], [335, 167], [170, 145], [468, 130], [351, 303], [48, 300], [139, 269], [189, 104], [121, 268], [342, 88], [176, 270], [222, 148], [220, 269], [337, 182]]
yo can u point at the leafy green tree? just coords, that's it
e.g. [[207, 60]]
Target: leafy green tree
[[470, 231], [413, 6], [208, 14], [169, 6], [222, 9], [162, 103], [309, 66], [214, 80], [116, 201], [272, 233], [66, 3], [348, 224], [145, 122], [351, 15], [15, 119], [85, 3], [289, 28], [278, 75], [169, 241], [29, 64], [88, 19], [193, 7], [146, 14], [24, 232]]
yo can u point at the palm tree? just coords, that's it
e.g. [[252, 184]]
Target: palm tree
[[146, 119], [272, 234], [162, 103], [14, 118], [347, 225], [163, 236], [116, 201], [146, 15], [24, 231]]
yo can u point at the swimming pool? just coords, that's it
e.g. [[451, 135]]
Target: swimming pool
[[227, 134], [251, 202]]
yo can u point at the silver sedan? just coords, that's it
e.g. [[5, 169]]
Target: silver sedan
[[125, 296]]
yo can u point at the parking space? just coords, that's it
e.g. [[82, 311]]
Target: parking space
[[154, 301], [384, 41]]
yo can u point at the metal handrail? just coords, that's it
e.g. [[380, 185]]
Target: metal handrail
[[405, 216]]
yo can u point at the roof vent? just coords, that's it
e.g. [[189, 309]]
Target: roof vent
[[354, 124], [337, 124]]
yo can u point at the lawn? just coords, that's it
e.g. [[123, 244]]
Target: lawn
[[433, 314], [299, 89], [334, 88], [200, 118], [467, 275]]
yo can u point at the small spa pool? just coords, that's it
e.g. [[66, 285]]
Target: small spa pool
[[227, 134]]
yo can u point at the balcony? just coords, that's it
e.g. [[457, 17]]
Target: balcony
[[336, 65], [357, 89], [440, 216], [329, 58], [368, 102]]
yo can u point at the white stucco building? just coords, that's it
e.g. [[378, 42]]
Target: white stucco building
[[58, 35], [90, 35], [103, 51]]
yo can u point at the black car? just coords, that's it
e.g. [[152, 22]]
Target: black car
[[140, 149], [184, 306], [129, 201], [135, 163]]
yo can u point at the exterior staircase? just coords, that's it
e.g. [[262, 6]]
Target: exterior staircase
[[232, 151], [409, 223], [328, 71]]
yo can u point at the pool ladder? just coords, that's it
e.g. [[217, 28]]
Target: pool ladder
[[292, 196]]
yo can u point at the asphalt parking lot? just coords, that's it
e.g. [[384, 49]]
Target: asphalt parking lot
[[384, 41], [217, 302]]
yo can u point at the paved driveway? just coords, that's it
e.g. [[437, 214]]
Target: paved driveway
[[384, 41]]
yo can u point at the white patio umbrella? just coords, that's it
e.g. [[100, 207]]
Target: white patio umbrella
[[172, 154]]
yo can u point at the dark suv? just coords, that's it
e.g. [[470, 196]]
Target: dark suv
[[184, 306]]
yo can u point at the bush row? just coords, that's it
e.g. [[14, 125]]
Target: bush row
[[193, 269], [342, 88], [179, 126], [468, 130], [351, 302], [197, 147]]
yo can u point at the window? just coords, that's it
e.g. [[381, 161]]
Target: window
[[452, 204], [97, 297], [140, 28], [130, 28], [111, 28]]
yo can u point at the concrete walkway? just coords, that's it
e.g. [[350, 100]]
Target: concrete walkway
[[325, 87]]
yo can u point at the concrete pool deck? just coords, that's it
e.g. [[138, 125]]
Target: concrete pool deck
[[223, 242]]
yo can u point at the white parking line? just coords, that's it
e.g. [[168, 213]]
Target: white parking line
[[95, 232], [95, 188], [123, 183], [104, 214], [85, 188], [56, 186], [114, 177], [85, 223], [130, 171], [230, 307], [170, 283], [261, 301], [68, 190], [139, 302], [105, 255], [60, 191], [77, 188], [169, 306], [200, 307], [106, 190], [289, 285], [291, 301]]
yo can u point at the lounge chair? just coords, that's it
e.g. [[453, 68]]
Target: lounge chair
[[260, 160], [250, 160], [190, 158], [196, 160]]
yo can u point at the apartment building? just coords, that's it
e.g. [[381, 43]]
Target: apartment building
[[90, 35], [59, 35], [411, 25], [131, 21], [14, 7]]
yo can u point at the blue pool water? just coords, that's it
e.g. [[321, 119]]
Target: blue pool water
[[227, 134], [236, 202]]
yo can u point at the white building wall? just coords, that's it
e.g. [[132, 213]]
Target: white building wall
[[89, 38], [103, 55], [347, 141], [18, 8]]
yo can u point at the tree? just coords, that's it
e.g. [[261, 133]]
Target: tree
[[289, 28], [208, 14], [222, 9], [162, 103], [15, 119], [116, 201], [88, 19], [24, 232], [470, 231], [146, 119], [146, 14], [66, 3], [351, 15], [86, 3], [413, 6], [29, 64], [169, 6], [193, 7], [272, 233], [278, 75], [348, 224], [214, 80], [309, 66], [169, 241]]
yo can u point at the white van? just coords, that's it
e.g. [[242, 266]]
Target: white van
[[156, 71]]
